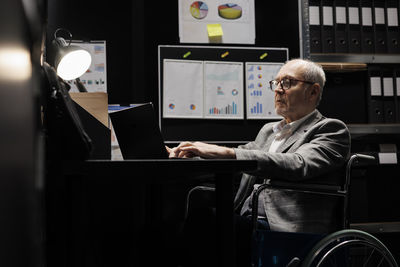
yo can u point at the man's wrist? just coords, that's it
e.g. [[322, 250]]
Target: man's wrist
[[230, 153]]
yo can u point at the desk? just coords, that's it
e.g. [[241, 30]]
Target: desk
[[63, 177]]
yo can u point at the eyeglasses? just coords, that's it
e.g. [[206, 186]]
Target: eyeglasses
[[285, 83]]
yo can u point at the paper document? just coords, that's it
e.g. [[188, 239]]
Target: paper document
[[223, 90], [197, 89], [236, 19], [260, 98], [183, 89]]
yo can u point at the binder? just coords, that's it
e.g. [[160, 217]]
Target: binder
[[354, 26], [315, 26], [393, 31], [367, 29], [340, 24], [397, 91], [379, 26], [327, 32], [374, 102], [389, 108]]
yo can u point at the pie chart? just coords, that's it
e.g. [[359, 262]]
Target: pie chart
[[199, 9], [230, 11]]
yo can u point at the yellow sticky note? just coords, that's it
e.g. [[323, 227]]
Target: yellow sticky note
[[214, 33], [214, 30]]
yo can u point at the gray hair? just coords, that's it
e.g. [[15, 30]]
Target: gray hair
[[312, 72]]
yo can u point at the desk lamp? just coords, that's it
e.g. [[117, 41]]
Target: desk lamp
[[70, 61]]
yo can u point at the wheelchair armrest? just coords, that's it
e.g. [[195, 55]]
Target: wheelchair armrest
[[363, 158], [358, 159], [205, 193]]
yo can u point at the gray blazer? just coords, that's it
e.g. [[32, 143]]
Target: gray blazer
[[315, 153]]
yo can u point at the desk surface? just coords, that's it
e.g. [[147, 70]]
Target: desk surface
[[168, 167]]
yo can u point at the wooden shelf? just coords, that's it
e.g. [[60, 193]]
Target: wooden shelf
[[343, 66]]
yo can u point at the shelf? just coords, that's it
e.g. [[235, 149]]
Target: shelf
[[343, 66], [356, 58], [387, 128], [377, 227]]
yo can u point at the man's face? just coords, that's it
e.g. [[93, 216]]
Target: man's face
[[295, 102]]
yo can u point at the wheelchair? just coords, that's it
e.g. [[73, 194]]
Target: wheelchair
[[342, 248]]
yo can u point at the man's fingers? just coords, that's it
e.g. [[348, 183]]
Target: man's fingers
[[183, 154], [186, 148], [184, 144]]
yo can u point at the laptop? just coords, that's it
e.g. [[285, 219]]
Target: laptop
[[138, 133]]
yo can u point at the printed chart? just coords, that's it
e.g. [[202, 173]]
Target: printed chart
[[199, 9], [203, 89], [183, 89], [223, 87], [235, 18], [230, 11], [260, 99]]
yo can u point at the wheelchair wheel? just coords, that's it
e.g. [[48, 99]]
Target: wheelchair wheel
[[348, 248]]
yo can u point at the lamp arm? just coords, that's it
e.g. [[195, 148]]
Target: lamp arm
[[80, 86]]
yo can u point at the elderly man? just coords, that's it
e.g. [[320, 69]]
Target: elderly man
[[304, 147]]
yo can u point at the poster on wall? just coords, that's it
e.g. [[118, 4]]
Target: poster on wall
[[203, 89], [223, 90], [234, 21], [95, 78], [260, 98], [183, 89]]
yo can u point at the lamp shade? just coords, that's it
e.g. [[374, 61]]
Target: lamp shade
[[70, 61]]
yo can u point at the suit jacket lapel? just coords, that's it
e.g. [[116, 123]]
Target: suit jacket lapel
[[289, 142]]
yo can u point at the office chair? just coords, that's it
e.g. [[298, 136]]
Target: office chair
[[345, 247]]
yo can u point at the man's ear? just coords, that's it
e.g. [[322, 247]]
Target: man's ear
[[315, 90]]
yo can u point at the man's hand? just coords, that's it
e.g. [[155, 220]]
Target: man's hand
[[171, 152], [204, 150]]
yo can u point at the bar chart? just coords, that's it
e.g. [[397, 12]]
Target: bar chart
[[260, 99], [256, 93], [256, 109], [227, 110], [223, 90]]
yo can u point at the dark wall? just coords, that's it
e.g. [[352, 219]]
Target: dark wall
[[134, 29], [101, 20]]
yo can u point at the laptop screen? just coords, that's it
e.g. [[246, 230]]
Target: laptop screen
[[138, 133]]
